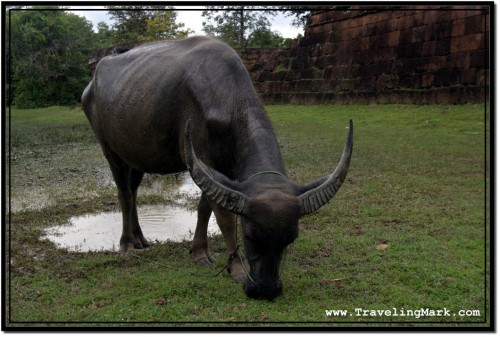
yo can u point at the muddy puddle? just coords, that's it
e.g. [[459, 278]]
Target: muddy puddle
[[159, 223]]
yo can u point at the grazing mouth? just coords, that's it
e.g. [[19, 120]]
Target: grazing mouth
[[263, 290]]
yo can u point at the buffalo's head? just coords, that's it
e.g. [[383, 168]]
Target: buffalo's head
[[269, 210]]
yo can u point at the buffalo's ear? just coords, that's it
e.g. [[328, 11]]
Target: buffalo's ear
[[319, 192], [213, 183]]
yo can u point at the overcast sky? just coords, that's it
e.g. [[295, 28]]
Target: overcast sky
[[191, 18]]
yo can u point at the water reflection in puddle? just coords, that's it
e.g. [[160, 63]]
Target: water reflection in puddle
[[97, 232]]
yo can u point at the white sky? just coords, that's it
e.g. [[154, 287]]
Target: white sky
[[191, 18]]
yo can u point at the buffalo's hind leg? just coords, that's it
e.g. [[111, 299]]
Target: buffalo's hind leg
[[199, 248], [127, 181]]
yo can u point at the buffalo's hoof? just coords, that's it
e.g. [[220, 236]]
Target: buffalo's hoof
[[126, 248], [205, 261], [145, 244], [237, 271], [202, 257], [141, 245]]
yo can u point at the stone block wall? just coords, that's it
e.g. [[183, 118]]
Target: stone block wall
[[417, 55]]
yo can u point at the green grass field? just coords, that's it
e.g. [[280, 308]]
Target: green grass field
[[408, 230]]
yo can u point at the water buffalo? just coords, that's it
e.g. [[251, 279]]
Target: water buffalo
[[170, 106]]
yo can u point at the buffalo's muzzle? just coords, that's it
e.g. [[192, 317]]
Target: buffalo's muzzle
[[260, 290]]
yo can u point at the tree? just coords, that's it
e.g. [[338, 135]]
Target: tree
[[48, 56], [300, 14], [162, 26], [264, 37], [130, 22], [136, 24], [104, 35], [235, 25]]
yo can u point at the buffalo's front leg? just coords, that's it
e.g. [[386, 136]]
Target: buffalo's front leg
[[199, 248], [127, 181], [227, 225]]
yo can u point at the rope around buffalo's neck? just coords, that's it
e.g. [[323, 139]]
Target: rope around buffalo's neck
[[239, 255], [266, 172]]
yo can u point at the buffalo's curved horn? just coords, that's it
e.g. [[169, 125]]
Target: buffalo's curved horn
[[324, 189], [214, 187]]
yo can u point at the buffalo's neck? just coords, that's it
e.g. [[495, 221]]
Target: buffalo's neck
[[258, 147]]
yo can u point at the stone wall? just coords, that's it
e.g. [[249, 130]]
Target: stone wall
[[417, 55]]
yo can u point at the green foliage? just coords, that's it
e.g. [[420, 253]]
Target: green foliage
[[130, 22], [265, 38], [49, 48], [136, 24], [162, 26], [104, 36], [236, 26], [48, 55]]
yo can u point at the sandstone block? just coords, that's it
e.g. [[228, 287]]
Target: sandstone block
[[418, 34], [479, 59], [467, 42], [458, 28], [393, 38], [427, 80], [404, 22], [475, 24], [392, 25], [428, 48], [468, 76], [443, 47]]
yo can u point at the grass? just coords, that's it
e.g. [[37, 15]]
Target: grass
[[406, 231]]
